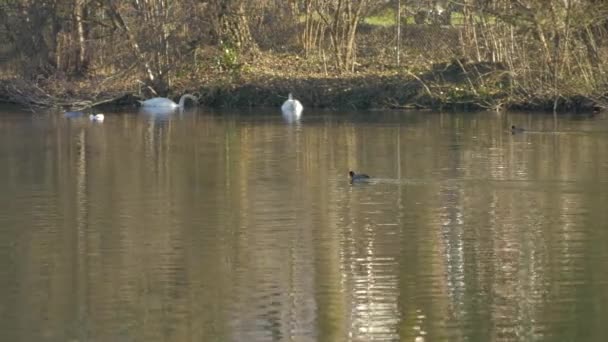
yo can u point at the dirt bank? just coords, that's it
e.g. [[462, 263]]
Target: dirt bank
[[455, 85]]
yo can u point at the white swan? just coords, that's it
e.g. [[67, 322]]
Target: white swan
[[158, 111], [96, 117], [292, 107], [168, 103]]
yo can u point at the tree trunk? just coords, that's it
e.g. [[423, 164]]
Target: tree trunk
[[25, 24], [159, 85], [233, 25], [80, 32], [342, 21]]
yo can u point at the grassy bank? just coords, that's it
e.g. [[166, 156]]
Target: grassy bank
[[266, 80], [377, 83]]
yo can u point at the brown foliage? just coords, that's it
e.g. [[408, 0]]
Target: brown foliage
[[550, 50]]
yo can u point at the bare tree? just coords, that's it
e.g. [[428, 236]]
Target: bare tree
[[547, 48], [152, 29], [32, 28], [231, 24], [341, 18], [81, 32]]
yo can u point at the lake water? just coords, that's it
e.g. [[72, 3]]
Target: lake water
[[240, 226]]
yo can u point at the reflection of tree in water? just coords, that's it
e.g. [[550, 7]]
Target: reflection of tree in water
[[369, 225], [452, 229], [273, 276]]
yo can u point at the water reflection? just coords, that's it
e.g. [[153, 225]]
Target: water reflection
[[191, 226], [290, 118]]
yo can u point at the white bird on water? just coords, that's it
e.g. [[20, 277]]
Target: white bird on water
[[96, 117], [292, 107], [168, 103]]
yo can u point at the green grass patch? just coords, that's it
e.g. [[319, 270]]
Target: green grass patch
[[457, 18], [385, 18]]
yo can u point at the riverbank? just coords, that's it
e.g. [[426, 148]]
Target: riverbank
[[454, 85]]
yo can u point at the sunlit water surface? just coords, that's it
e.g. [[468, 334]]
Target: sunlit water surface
[[242, 226]]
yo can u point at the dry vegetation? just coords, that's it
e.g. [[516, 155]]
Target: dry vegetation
[[331, 53]]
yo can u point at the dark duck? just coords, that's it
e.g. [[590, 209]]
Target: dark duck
[[357, 177], [515, 129]]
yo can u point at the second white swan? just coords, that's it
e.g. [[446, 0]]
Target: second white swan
[[168, 103], [292, 107]]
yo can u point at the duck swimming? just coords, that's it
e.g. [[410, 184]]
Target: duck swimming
[[358, 177], [292, 107], [516, 129]]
